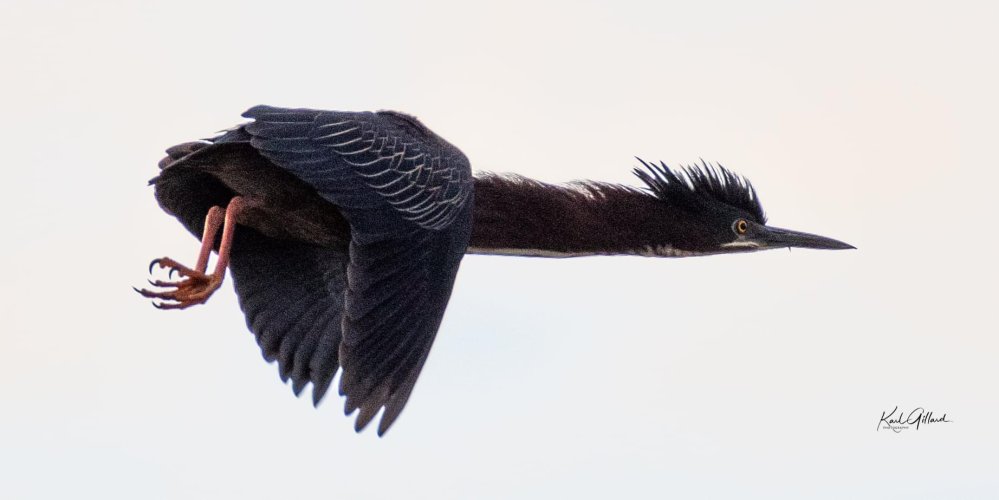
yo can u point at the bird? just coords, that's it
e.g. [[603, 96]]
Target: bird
[[344, 231]]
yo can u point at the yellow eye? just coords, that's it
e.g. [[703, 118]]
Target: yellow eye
[[741, 226]]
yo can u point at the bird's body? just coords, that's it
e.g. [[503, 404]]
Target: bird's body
[[352, 227]]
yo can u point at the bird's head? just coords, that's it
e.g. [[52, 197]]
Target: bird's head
[[713, 210]]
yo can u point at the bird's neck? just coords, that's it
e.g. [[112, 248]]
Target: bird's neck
[[519, 216]]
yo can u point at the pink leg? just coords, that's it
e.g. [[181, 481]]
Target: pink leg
[[195, 286], [212, 223], [229, 226]]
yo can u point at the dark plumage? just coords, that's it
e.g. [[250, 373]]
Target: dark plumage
[[352, 227]]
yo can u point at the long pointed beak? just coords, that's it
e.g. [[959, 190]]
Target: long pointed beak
[[775, 237]]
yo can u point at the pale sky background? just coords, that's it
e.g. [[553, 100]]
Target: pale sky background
[[749, 376]]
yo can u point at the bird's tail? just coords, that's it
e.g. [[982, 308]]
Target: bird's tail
[[180, 151]]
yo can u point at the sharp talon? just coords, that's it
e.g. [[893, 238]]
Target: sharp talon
[[177, 305], [192, 287]]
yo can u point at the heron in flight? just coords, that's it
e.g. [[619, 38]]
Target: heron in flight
[[351, 227]]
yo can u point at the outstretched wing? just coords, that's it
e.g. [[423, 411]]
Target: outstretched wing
[[407, 194]]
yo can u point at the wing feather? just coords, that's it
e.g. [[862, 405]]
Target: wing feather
[[292, 296]]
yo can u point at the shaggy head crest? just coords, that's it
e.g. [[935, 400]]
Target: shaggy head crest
[[698, 185]]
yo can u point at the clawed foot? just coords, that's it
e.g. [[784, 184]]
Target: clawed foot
[[193, 287]]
